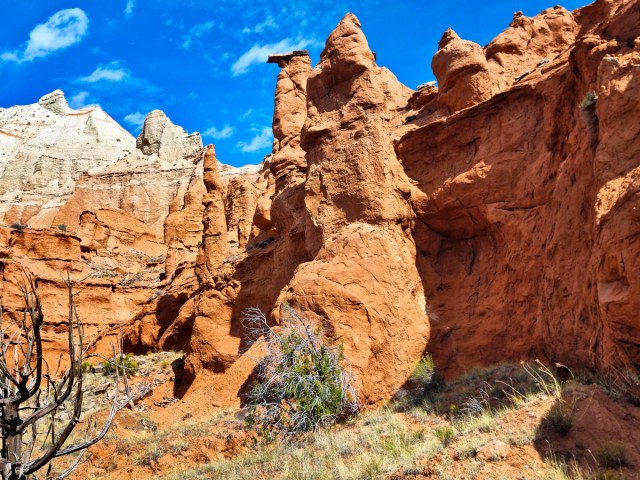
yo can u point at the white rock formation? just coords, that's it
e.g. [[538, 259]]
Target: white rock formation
[[144, 183], [45, 147]]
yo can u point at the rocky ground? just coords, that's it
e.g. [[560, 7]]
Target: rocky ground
[[512, 421]]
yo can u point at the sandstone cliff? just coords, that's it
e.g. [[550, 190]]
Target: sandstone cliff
[[487, 219], [525, 203], [492, 217]]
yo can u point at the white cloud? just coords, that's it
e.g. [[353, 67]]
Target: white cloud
[[195, 32], [261, 141], [10, 57], [260, 53], [63, 29], [135, 119], [261, 27], [128, 9], [216, 134], [112, 72], [79, 100]]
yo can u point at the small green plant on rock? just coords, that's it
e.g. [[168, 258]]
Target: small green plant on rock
[[124, 363], [302, 383], [588, 103]]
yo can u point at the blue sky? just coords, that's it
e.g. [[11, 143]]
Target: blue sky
[[202, 62]]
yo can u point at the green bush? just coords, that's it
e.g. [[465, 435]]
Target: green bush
[[301, 384], [62, 227], [424, 371], [124, 362], [589, 101], [426, 380], [86, 367]]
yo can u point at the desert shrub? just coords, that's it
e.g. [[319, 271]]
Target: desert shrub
[[62, 227], [445, 434], [611, 455], [425, 381], [86, 367], [424, 370], [589, 101], [302, 383], [124, 363]]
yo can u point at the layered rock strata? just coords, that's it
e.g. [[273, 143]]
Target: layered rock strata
[[492, 217], [45, 148], [488, 219]]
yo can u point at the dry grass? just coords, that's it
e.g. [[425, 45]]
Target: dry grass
[[438, 435], [381, 443]]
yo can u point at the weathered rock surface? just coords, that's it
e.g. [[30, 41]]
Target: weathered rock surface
[[499, 226], [45, 148], [468, 74], [490, 218], [362, 281], [143, 183], [525, 204], [115, 219], [341, 247]]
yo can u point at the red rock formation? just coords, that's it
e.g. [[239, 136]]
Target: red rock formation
[[362, 282], [501, 224], [214, 247], [521, 206], [468, 74], [288, 164], [525, 204]]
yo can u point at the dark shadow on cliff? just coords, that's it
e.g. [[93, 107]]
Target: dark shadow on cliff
[[164, 313], [270, 261]]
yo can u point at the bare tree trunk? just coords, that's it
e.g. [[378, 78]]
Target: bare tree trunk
[[27, 387]]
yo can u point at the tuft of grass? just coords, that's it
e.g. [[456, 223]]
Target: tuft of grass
[[151, 455], [446, 434], [468, 448], [485, 422], [560, 417], [611, 454], [558, 469], [178, 446]]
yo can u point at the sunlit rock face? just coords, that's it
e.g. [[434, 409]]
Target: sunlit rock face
[[44, 148], [489, 218]]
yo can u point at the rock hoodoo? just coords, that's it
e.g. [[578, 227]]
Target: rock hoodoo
[[451, 219]]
